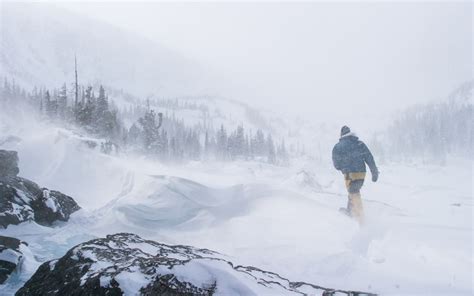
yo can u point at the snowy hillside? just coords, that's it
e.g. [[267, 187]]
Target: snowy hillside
[[38, 43], [432, 132]]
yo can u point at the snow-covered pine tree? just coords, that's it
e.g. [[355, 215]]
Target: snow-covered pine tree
[[102, 120]]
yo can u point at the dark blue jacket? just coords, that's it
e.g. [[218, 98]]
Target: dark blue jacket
[[350, 156]]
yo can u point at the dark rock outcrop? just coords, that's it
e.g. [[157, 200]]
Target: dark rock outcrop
[[10, 256], [8, 164], [125, 264], [23, 200]]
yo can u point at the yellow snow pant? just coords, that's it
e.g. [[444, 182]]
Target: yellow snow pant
[[354, 182]]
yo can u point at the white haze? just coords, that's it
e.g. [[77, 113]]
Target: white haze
[[348, 62]]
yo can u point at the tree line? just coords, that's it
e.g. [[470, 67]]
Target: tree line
[[431, 131], [162, 136]]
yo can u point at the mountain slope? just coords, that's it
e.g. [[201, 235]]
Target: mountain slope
[[38, 42]]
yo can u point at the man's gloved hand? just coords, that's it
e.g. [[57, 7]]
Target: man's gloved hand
[[375, 176]]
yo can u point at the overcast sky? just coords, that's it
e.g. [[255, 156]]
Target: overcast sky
[[318, 59]]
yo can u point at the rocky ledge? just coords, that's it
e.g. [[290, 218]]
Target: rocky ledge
[[126, 264], [23, 200], [8, 163], [10, 256]]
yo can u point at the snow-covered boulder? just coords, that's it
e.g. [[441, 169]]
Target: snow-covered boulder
[[126, 264], [23, 200], [10, 256], [8, 163]]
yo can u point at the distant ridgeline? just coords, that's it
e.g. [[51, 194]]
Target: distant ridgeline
[[139, 128], [430, 132]]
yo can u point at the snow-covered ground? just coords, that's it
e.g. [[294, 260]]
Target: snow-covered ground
[[417, 239]]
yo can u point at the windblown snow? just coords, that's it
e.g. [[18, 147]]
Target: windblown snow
[[283, 219]]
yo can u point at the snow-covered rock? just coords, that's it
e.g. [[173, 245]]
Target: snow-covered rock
[[10, 256], [23, 200], [126, 264]]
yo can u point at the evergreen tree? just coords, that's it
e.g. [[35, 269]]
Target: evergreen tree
[[239, 141], [282, 154], [50, 106], [62, 103], [271, 150], [103, 118], [164, 143], [150, 128], [86, 110], [221, 142], [134, 135], [207, 149], [260, 147]]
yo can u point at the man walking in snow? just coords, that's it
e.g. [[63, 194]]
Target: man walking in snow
[[349, 156]]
